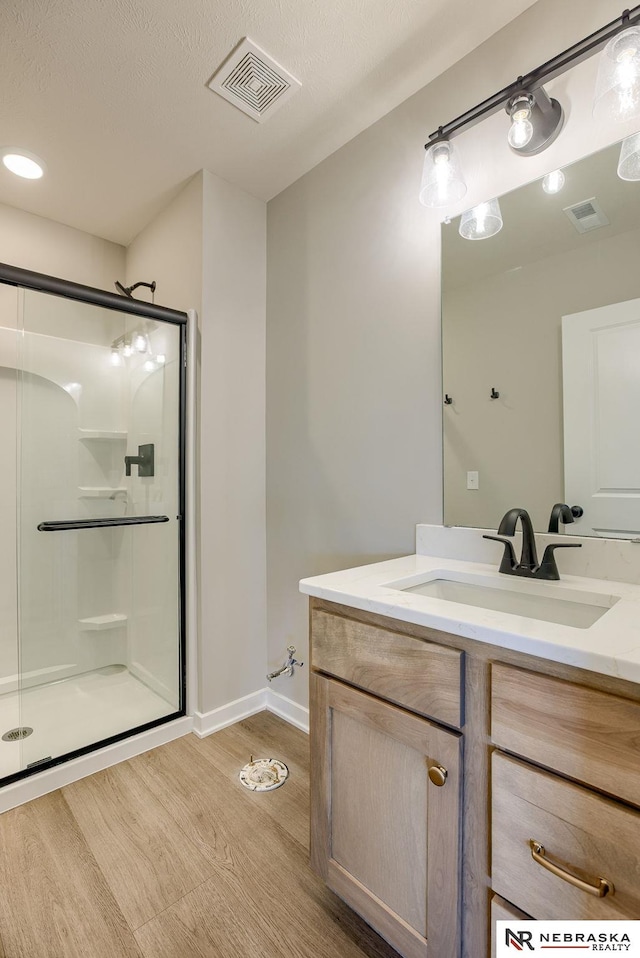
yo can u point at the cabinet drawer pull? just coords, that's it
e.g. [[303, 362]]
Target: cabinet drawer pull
[[603, 887]]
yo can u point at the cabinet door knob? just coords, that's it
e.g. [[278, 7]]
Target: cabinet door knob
[[437, 774]]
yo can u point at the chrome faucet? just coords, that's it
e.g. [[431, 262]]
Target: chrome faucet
[[528, 565]]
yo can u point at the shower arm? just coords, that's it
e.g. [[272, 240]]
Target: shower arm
[[128, 290]]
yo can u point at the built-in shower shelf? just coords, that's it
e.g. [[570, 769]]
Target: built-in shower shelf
[[103, 435], [99, 623], [100, 492]]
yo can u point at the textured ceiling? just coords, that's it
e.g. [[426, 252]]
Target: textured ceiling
[[112, 93]]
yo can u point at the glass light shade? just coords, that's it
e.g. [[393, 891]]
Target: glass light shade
[[553, 182], [618, 85], [442, 178], [481, 222], [629, 162], [116, 358], [23, 164]]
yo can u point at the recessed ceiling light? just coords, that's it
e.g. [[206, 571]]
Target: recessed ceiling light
[[22, 163]]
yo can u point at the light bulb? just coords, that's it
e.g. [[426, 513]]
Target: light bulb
[[149, 365], [127, 350], [520, 133], [553, 182], [116, 358], [140, 343], [521, 129], [161, 358]]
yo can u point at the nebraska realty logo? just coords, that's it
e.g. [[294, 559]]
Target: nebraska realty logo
[[622, 937]]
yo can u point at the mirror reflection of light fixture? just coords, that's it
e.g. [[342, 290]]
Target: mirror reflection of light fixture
[[442, 177], [553, 182], [537, 119], [481, 222], [629, 162], [617, 95], [140, 343], [116, 357]]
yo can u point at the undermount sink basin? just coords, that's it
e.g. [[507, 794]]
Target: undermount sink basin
[[523, 597]]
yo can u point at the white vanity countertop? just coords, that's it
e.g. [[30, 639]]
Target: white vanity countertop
[[610, 646]]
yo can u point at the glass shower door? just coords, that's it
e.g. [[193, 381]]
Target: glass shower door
[[99, 525]]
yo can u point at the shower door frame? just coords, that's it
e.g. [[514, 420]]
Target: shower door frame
[[40, 282]]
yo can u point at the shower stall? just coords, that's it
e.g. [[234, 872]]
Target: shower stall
[[92, 543]]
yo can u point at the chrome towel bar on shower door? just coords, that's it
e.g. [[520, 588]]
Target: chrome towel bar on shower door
[[99, 523]]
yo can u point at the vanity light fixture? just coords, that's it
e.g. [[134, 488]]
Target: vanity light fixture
[[629, 162], [537, 119], [618, 85], [22, 163], [481, 222], [553, 182]]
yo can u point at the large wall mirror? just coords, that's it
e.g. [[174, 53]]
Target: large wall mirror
[[546, 314]]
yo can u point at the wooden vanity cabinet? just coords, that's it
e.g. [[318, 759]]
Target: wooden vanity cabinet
[[386, 785], [551, 755]]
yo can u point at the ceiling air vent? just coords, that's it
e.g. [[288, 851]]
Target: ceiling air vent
[[586, 215], [253, 82]]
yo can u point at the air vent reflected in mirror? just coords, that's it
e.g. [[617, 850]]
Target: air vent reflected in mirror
[[586, 215]]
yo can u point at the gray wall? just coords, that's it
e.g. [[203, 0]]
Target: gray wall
[[353, 325]]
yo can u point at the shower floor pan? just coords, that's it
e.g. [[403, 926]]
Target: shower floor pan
[[72, 713]]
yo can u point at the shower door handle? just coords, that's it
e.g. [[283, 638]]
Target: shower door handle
[[145, 461], [66, 524]]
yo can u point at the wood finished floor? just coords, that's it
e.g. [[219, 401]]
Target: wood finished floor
[[168, 856]]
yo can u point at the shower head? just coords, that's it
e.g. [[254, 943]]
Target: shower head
[[128, 290]]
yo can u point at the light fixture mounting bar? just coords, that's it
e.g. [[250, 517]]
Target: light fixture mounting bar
[[535, 78]]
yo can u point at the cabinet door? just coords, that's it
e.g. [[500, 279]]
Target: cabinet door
[[383, 836]]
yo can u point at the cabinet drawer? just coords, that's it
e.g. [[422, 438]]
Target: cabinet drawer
[[502, 910], [584, 834], [423, 677], [588, 735]]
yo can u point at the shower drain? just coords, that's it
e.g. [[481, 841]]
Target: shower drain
[[15, 734]]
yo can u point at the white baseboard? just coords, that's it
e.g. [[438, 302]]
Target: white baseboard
[[288, 710], [205, 723], [48, 781]]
